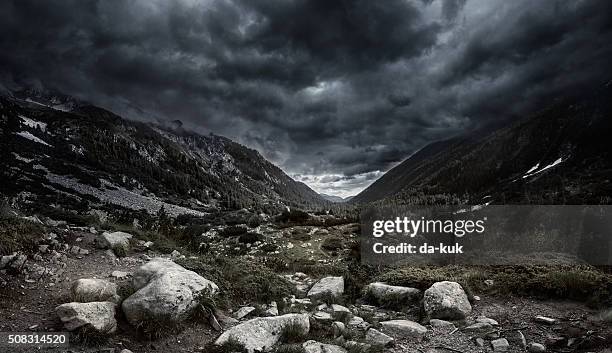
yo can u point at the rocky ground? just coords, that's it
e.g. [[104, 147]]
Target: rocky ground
[[116, 292]]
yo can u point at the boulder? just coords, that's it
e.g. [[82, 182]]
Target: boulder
[[261, 333], [447, 301], [500, 345], [333, 286], [338, 328], [536, 348], [440, 323], [244, 312], [87, 290], [317, 347], [403, 328], [165, 291], [377, 338], [99, 316], [115, 240], [384, 293]]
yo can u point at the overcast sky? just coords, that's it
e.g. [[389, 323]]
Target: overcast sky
[[334, 92]]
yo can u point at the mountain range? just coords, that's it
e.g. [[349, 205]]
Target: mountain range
[[57, 151], [559, 155]]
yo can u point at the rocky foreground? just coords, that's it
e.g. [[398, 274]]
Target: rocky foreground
[[117, 294]]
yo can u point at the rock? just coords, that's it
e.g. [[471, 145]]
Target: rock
[[43, 248], [500, 345], [354, 346], [522, 339], [99, 316], [358, 322], [536, 347], [87, 290], [440, 323], [165, 291], [545, 320], [119, 274], [15, 261], [148, 244], [322, 316], [447, 301], [272, 310], [333, 286], [377, 338], [385, 293], [339, 312], [338, 328], [125, 351], [479, 341], [403, 328], [486, 320], [243, 312], [479, 328], [316, 347], [118, 241], [175, 254], [261, 333]]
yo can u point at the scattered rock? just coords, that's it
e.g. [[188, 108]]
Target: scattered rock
[[446, 300], [403, 328], [440, 323], [536, 347], [243, 312], [119, 274], [115, 240], [486, 320], [165, 291], [545, 320], [261, 333], [99, 316], [500, 345], [333, 286], [338, 328], [316, 347], [375, 337], [87, 290], [385, 293]]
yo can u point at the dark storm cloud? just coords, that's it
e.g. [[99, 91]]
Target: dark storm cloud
[[335, 92]]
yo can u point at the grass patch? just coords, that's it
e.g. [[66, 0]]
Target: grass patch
[[231, 346], [289, 348], [332, 243], [17, 234], [235, 275], [292, 333]]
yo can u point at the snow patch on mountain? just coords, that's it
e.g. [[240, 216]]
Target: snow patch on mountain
[[29, 136], [33, 123]]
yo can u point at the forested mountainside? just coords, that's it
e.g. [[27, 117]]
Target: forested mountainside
[[57, 150], [561, 154]]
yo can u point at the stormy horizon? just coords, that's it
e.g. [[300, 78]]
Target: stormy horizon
[[335, 93]]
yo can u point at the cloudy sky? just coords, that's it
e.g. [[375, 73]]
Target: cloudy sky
[[334, 92]]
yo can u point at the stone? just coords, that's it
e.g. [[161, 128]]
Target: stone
[[545, 320], [261, 333], [500, 345], [536, 347], [119, 274], [125, 351], [165, 291], [447, 301], [322, 316], [478, 328], [243, 312], [317, 347], [99, 316], [403, 328], [385, 293], [333, 286], [338, 328], [377, 338], [87, 290], [440, 323], [115, 241], [486, 320], [358, 322], [479, 341], [272, 310]]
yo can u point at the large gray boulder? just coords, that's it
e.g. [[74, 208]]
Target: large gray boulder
[[165, 291], [317, 347], [118, 241], [385, 293], [262, 333], [99, 316], [377, 338], [403, 328], [87, 290], [447, 301], [333, 286]]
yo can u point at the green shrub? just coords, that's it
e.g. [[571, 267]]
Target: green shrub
[[17, 234], [232, 231], [332, 243], [250, 238]]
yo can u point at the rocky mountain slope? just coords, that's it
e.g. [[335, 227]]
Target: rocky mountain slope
[[558, 155], [58, 150]]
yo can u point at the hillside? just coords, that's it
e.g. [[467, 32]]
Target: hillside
[[57, 150], [560, 154]]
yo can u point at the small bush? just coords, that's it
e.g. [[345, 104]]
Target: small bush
[[232, 231], [250, 238], [293, 216], [18, 234], [231, 346], [254, 221], [292, 333], [332, 243]]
